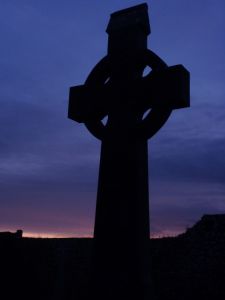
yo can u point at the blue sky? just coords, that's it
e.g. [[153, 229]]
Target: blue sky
[[49, 164]]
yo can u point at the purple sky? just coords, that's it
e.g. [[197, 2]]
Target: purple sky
[[49, 164]]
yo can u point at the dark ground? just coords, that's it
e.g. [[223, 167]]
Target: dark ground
[[190, 266]]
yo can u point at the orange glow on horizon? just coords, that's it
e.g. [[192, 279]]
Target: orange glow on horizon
[[166, 233], [55, 235], [86, 233], [162, 234]]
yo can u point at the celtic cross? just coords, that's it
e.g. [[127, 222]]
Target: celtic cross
[[116, 88]]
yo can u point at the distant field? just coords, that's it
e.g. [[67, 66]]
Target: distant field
[[184, 267]]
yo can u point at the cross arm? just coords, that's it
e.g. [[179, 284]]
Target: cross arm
[[86, 103], [169, 87]]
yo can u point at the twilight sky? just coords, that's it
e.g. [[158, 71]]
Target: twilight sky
[[49, 164]]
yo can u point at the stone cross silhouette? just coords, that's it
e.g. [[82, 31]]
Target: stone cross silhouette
[[116, 88]]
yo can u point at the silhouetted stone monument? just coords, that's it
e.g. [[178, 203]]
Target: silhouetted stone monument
[[116, 88]]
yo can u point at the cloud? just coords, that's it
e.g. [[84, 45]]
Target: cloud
[[175, 206]]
